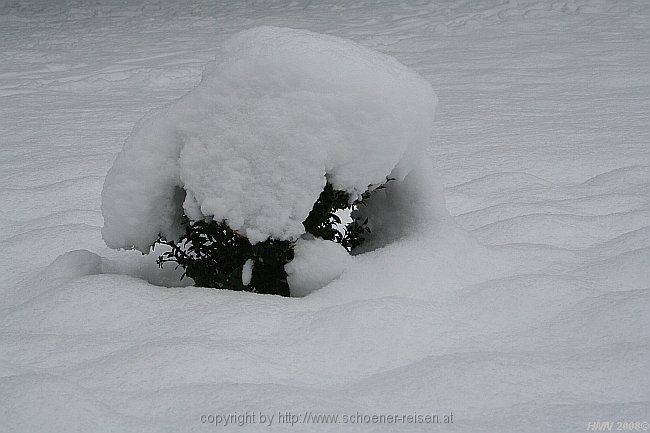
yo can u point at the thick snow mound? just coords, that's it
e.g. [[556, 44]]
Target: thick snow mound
[[316, 263], [281, 112]]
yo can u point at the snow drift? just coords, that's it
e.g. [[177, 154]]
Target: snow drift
[[279, 114]]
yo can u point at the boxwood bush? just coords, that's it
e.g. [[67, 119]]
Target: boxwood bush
[[214, 255]]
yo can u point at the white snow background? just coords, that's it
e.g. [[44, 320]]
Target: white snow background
[[526, 311]]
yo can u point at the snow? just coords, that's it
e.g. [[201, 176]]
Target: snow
[[247, 272], [316, 263], [278, 114], [523, 307]]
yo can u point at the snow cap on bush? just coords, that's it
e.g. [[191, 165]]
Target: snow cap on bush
[[281, 112]]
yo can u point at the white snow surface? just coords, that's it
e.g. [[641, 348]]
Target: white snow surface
[[524, 309], [280, 112], [316, 263], [247, 272]]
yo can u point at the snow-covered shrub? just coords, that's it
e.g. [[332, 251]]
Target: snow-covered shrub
[[280, 115], [323, 221], [214, 255]]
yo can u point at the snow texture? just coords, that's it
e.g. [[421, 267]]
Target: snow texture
[[524, 309], [281, 112], [316, 263], [247, 272]]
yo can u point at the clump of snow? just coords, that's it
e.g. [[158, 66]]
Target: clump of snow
[[316, 263], [281, 112], [247, 272], [73, 264]]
